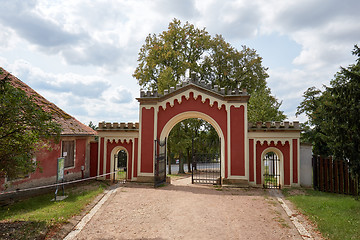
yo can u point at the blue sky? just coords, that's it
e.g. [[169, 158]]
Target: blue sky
[[81, 54]]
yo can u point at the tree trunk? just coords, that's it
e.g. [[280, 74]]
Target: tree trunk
[[189, 156], [181, 163], [169, 161]]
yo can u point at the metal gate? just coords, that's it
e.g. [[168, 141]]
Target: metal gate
[[160, 163], [120, 162], [271, 171], [206, 168]]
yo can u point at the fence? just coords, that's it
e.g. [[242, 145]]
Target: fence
[[333, 176]]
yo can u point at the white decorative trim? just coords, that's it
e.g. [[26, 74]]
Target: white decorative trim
[[120, 139], [228, 140], [105, 150], [146, 174], [246, 142], [298, 161], [98, 165], [139, 142], [238, 177], [291, 162], [254, 143], [132, 159]]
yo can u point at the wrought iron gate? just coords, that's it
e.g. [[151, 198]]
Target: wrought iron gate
[[120, 161], [271, 171], [206, 168], [160, 163]]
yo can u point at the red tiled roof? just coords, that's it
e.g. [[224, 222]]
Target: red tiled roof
[[70, 126]]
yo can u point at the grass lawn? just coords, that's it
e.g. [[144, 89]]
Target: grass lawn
[[32, 218], [337, 216]]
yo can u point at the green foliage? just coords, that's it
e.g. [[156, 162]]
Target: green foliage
[[192, 135], [264, 107], [40, 212], [334, 116], [337, 216], [164, 59], [24, 129]]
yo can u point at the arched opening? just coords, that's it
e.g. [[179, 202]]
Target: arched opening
[[272, 168], [193, 114], [194, 147], [119, 162]]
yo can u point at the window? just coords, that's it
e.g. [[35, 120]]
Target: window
[[68, 152]]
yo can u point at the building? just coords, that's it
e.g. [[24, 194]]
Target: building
[[74, 145]]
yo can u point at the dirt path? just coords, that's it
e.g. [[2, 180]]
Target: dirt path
[[186, 211]]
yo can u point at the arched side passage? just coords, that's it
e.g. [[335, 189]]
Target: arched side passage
[[281, 157], [114, 151], [192, 114]]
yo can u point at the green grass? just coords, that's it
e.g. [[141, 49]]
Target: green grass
[[40, 213], [337, 216]]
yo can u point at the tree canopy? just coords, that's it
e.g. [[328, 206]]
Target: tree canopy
[[24, 129], [333, 124]]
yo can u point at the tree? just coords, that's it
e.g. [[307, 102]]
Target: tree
[[164, 59], [24, 129], [334, 116]]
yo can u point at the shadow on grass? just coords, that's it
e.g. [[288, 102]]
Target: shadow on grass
[[23, 230]]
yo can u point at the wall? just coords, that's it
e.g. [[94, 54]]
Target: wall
[[47, 160], [306, 165]]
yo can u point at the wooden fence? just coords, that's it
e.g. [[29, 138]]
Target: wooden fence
[[333, 176]]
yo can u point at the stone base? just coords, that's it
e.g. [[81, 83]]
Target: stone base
[[145, 179], [237, 182]]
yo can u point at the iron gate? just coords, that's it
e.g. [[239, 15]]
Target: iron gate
[[271, 171], [206, 168], [120, 161], [160, 163]]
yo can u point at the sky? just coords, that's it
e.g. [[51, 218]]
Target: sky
[[81, 54]]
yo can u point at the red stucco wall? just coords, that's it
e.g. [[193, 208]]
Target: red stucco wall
[[251, 160], [147, 140], [237, 135], [295, 161], [94, 149], [47, 161]]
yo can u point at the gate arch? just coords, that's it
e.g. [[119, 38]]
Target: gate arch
[[281, 164], [113, 166], [193, 114]]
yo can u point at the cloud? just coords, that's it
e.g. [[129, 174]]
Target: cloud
[[21, 17], [79, 85]]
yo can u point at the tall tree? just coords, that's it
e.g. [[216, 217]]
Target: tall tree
[[24, 129], [164, 59], [334, 116]]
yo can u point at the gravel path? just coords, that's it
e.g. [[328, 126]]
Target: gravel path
[[185, 211]]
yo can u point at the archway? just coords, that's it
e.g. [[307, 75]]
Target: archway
[[272, 170], [119, 163], [191, 114]]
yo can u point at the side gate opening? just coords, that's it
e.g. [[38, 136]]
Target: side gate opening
[[271, 163], [120, 163]]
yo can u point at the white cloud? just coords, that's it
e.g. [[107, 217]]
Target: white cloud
[[107, 35]]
